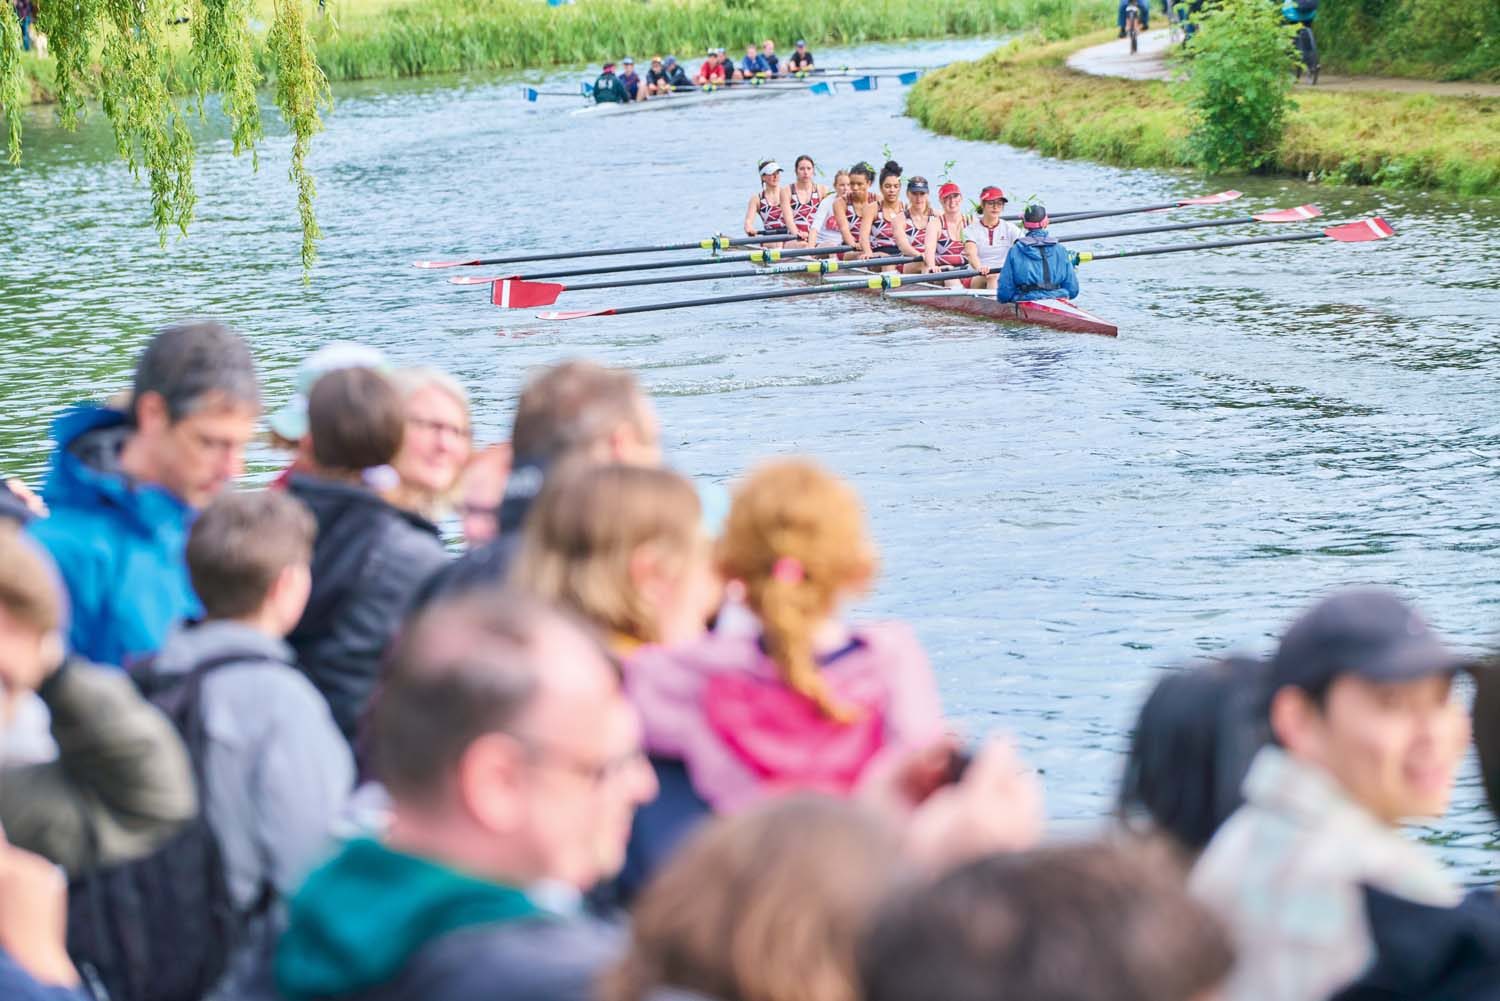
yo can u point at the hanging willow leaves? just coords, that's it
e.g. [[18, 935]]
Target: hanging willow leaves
[[122, 53]]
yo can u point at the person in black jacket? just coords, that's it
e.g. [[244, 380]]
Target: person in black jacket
[[370, 556]]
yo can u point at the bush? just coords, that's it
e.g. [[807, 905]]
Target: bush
[[1240, 68]]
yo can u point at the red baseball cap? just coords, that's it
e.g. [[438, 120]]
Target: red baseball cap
[[948, 189], [992, 194]]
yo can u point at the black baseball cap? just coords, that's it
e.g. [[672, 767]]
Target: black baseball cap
[[1367, 632]]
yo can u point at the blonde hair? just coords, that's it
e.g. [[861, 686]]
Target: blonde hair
[[587, 524], [411, 381], [796, 538], [30, 590]]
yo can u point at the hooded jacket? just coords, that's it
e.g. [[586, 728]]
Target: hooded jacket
[[376, 924], [1423, 952], [118, 544], [277, 773], [1037, 267], [18, 985], [368, 560]]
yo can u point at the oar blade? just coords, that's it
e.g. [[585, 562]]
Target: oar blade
[[478, 279], [530, 93], [822, 88], [864, 83], [907, 79], [512, 293], [1363, 231], [442, 264], [1216, 199], [1299, 214], [573, 314]]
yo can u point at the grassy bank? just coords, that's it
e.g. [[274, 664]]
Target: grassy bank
[[1027, 97], [373, 39], [1432, 39]]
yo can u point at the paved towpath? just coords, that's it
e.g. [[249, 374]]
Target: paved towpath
[[1115, 59]]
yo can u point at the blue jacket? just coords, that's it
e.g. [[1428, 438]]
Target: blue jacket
[[118, 544], [18, 985], [750, 66], [1037, 267]]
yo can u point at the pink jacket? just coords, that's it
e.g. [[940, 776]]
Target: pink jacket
[[719, 707]]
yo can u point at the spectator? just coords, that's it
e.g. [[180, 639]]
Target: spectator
[[289, 424], [577, 411], [26, 11], [513, 763], [1085, 922], [18, 504], [802, 700], [1365, 735], [121, 783], [764, 906], [480, 490], [437, 442], [276, 769], [1191, 748], [369, 556], [123, 488], [623, 548]]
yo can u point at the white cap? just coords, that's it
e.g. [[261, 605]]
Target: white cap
[[290, 422]]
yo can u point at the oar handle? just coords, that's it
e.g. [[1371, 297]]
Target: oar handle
[[1085, 257]]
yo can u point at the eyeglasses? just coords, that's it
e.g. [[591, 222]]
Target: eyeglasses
[[593, 771], [437, 427]]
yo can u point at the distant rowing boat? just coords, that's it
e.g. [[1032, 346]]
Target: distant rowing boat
[[693, 98]]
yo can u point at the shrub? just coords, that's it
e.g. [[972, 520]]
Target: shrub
[[1237, 86]]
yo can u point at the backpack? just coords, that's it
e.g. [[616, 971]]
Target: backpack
[[162, 927]]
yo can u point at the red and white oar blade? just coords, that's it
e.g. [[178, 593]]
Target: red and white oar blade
[[573, 314], [512, 293], [1363, 231], [478, 279], [442, 264], [1218, 199], [1299, 214]]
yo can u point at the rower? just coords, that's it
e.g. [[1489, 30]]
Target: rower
[[677, 77], [635, 89], [1037, 267], [801, 62], [768, 53], [711, 73], [770, 209], [656, 78], [945, 237], [890, 214], [826, 222], [727, 65], [855, 212], [987, 239], [753, 66], [608, 89], [912, 237], [806, 197]]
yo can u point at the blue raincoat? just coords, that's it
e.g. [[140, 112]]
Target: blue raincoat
[[1037, 267]]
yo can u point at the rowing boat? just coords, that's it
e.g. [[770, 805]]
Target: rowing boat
[[691, 98], [1056, 314]]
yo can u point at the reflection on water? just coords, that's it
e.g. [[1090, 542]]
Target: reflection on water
[[1061, 515]]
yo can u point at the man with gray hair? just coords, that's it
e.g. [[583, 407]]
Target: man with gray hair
[[123, 487]]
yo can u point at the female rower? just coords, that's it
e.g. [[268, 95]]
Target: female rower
[[770, 209], [945, 233], [826, 224], [912, 237], [987, 239], [806, 195], [890, 214], [855, 212]]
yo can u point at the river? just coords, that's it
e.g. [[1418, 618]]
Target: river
[[1061, 516]]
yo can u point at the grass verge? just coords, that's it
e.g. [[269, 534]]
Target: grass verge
[[1025, 95]]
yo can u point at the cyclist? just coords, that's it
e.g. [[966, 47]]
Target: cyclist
[[1145, 15], [1303, 13]]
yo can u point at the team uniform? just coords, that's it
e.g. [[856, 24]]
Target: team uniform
[[994, 244], [949, 248], [800, 62], [882, 234], [804, 213], [916, 235], [770, 214]]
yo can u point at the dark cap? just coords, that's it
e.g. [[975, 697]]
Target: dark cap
[[1366, 632], [917, 185], [1035, 216]]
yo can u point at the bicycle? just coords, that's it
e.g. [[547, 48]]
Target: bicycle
[[1133, 24]]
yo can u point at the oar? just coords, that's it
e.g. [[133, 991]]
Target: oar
[[515, 293], [885, 280], [712, 243], [1363, 231], [1216, 199], [758, 256], [1301, 213]]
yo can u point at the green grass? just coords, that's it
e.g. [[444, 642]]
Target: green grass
[[1027, 97], [1430, 39]]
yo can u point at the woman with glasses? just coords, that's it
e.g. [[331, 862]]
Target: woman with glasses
[[437, 443]]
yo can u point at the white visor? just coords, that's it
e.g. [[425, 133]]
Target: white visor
[[771, 168]]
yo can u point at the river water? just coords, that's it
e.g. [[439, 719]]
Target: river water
[[1062, 516]]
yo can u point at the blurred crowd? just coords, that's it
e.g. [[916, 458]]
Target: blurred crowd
[[629, 745]]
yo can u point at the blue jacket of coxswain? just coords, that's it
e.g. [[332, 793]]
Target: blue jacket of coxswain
[[1037, 267]]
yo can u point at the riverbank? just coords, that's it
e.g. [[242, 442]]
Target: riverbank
[[378, 39], [1025, 95]]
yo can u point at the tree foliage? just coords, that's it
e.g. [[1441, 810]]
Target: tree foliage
[[121, 53], [1237, 87]]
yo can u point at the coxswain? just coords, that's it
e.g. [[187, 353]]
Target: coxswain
[[945, 234], [826, 222], [770, 209], [801, 62], [1037, 267], [918, 218], [890, 215], [635, 87], [768, 53], [855, 212], [753, 66], [806, 197], [608, 89], [987, 239], [711, 73], [656, 78], [677, 78]]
